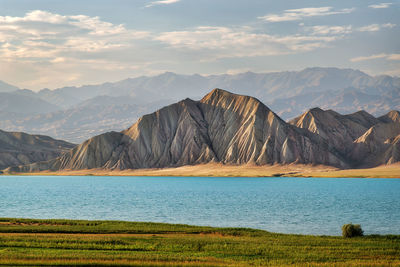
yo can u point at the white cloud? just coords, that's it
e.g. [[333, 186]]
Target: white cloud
[[57, 47], [381, 5], [225, 42], [394, 57], [35, 16], [388, 25], [370, 28], [358, 59], [162, 2], [376, 27], [41, 34], [50, 50], [377, 56], [331, 30], [301, 13]]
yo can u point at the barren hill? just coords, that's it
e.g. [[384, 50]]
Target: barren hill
[[19, 148]]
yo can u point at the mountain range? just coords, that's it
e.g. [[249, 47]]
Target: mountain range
[[78, 113], [236, 129]]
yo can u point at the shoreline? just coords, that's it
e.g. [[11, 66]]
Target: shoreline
[[220, 170]]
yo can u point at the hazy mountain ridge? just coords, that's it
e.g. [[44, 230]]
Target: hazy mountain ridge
[[237, 129], [82, 121], [265, 86], [287, 93], [19, 148], [5, 87], [20, 104]]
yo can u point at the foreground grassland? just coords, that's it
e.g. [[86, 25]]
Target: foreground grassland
[[28, 242], [220, 170]]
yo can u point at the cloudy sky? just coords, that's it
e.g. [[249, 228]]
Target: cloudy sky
[[54, 43]]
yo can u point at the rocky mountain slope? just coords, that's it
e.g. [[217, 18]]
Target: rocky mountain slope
[[19, 148], [364, 140]]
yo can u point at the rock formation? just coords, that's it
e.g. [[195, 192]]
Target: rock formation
[[360, 138]]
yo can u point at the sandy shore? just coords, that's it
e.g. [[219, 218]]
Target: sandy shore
[[220, 170]]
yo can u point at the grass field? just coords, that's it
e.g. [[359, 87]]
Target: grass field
[[28, 242]]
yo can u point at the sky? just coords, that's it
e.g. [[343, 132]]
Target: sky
[[57, 43]]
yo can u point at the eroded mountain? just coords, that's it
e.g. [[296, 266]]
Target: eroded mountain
[[18, 148]]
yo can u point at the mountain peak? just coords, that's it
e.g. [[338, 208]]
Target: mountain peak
[[392, 116], [316, 110], [217, 92], [241, 104]]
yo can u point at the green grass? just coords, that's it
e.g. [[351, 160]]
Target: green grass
[[92, 243]]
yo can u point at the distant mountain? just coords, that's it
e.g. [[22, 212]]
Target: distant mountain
[[56, 97], [5, 87], [287, 93], [21, 104], [265, 86], [78, 123], [19, 148], [344, 101]]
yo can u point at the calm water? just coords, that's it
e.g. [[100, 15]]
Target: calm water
[[286, 205]]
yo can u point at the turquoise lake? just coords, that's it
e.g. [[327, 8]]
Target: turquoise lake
[[318, 206]]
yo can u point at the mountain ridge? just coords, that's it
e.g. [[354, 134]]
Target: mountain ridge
[[288, 93]]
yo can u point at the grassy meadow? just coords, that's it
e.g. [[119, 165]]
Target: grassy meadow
[[27, 242]]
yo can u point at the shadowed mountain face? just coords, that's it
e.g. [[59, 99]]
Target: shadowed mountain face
[[236, 129], [20, 148]]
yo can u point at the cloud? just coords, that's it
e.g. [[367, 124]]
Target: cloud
[[377, 56], [41, 34], [331, 30], [301, 13], [162, 2], [51, 45], [381, 5], [50, 50], [394, 57], [376, 27], [370, 28], [41, 37], [388, 25], [225, 42]]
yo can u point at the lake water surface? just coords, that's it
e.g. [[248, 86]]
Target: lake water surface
[[318, 206]]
